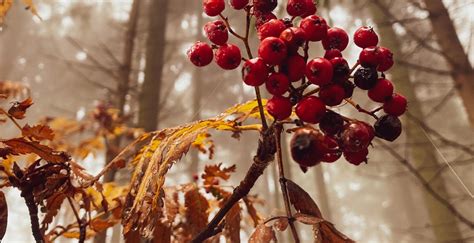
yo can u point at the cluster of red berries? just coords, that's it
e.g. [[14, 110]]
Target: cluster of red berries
[[284, 68]]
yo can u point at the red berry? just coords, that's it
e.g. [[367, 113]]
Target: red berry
[[365, 37], [382, 91], [238, 4], [293, 37], [336, 38], [216, 31], [340, 68], [331, 123], [332, 94], [262, 18], [272, 50], [370, 57], [228, 56], [277, 84], [200, 54], [254, 72], [213, 7], [310, 8], [386, 59], [310, 109], [271, 28], [330, 54], [396, 105], [305, 147], [356, 136], [264, 5], [294, 67], [296, 7], [319, 71], [356, 158], [315, 27], [279, 107], [388, 127]]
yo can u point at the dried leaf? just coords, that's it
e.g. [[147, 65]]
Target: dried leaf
[[329, 233], [18, 109], [4, 152], [3, 215], [23, 146], [171, 204], [204, 144], [5, 5], [53, 204], [196, 213], [232, 224], [281, 224], [252, 211], [262, 234], [307, 219], [214, 172], [162, 233], [38, 132], [301, 200]]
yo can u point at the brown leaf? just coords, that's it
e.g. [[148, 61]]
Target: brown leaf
[[214, 172], [38, 132], [301, 200], [53, 204], [171, 204], [262, 234], [162, 233], [307, 219], [251, 210], [330, 234], [18, 109], [281, 224], [132, 236], [4, 152], [3, 215], [232, 224], [196, 213], [23, 146]]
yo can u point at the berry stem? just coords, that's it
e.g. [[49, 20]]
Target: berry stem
[[314, 91], [226, 22], [354, 67], [360, 109], [376, 109], [281, 173]]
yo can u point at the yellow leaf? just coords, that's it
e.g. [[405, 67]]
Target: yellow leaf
[[4, 7], [31, 6]]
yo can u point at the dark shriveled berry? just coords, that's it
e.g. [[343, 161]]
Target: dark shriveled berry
[[264, 5], [304, 145], [356, 136], [340, 68], [365, 78], [388, 127], [331, 123], [348, 88]]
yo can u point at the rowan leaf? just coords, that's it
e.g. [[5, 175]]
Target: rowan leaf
[[329, 233], [232, 224], [196, 213], [251, 210], [214, 172], [38, 132], [18, 109], [162, 233], [53, 204], [262, 234], [3, 215], [307, 219], [4, 152], [301, 200], [23, 146], [5, 6]]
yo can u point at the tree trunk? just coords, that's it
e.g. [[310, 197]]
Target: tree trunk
[[421, 156], [462, 71], [155, 48]]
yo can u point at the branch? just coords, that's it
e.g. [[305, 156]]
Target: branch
[[27, 194], [82, 227], [427, 186], [265, 154], [281, 173]]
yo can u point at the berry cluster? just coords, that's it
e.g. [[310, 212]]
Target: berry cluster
[[310, 86]]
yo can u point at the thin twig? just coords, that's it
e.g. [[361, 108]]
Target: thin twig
[[360, 109], [82, 228], [11, 118]]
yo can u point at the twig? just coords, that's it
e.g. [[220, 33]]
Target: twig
[[281, 173], [11, 118], [354, 67], [275, 218], [360, 109], [27, 194], [82, 227], [265, 154]]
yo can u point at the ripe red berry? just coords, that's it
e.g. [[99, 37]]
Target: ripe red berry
[[310, 8], [331, 123], [315, 27], [294, 67], [382, 90], [216, 31], [238, 4], [340, 68], [279, 107], [356, 158], [264, 5], [396, 105], [370, 57], [336, 38], [356, 136], [319, 71], [310, 109], [277, 84], [304, 147], [262, 18], [228, 56], [293, 37], [386, 59], [332, 94], [365, 78], [388, 127], [271, 28], [330, 54], [254, 72], [272, 50], [200, 54], [365, 37], [296, 7], [213, 7], [330, 149]]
